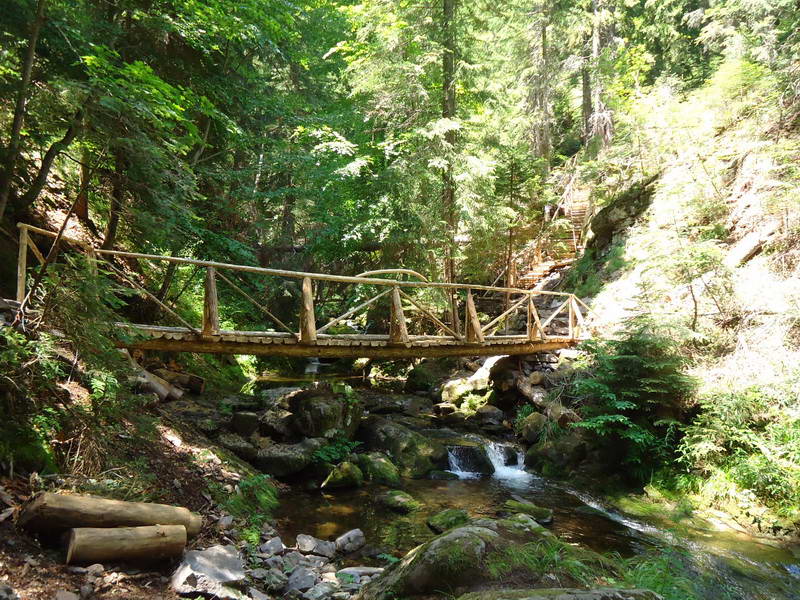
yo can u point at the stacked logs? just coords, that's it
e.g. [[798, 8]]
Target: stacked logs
[[98, 529]]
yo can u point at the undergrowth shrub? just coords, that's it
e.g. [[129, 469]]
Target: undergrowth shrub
[[749, 438], [631, 390]]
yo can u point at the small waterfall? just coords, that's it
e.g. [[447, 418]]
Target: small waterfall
[[509, 463], [457, 459]]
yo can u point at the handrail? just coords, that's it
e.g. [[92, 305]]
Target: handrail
[[299, 274], [394, 271], [308, 334]]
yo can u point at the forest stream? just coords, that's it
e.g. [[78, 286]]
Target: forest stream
[[735, 565]]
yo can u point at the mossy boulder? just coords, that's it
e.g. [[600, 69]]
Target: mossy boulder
[[532, 427], [447, 519], [281, 460], [320, 412], [344, 475], [400, 502], [429, 374], [557, 458], [413, 454], [449, 561], [542, 515], [238, 445], [471, 457], [377, 468]]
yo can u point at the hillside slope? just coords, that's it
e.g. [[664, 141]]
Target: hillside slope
[[706, 246]]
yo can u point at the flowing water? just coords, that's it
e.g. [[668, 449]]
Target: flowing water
[[745, 567]]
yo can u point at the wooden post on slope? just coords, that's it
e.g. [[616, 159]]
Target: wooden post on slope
[[474, 331], [571, 306], [22, 264], [308, 326], [398, 332], [210, 304], [535, 331]]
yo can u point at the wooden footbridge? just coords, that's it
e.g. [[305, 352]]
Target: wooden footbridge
[[511, 321]]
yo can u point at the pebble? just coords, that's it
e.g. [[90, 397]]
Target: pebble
[[256, 595], [77, 570], [95, 570], [86, 591], [225, 522], [64, 595], [272, 546]]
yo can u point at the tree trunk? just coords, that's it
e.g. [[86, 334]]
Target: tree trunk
[[148, 544], [450, 138], [82, 203], [47, 162], [19, 109], [117, 195], [53, 512]]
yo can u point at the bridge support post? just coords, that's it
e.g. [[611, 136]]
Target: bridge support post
[[474, 331], [398, 331], [535, 331], [308, 325], [210, 304], [22, 264]]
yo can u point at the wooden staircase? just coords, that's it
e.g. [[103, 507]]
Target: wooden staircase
[[555, 249]]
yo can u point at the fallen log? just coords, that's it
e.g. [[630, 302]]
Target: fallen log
[[148, 382], [193, 383], [150, 543], [52, 512]]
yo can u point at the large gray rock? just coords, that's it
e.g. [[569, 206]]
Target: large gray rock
[[238, 445], [281, 460], [489, 415], [245, 423], [429, 374], [319, 412], [275, 580], [413, 454], [351, 541], [308, 544], [382, 404], [301, 579], [272, 546], [377, 468], [215, 571], [470, 457], [344, 475], [532, 427], [563, 594], [276, 423], [320, 591], [450, 560]]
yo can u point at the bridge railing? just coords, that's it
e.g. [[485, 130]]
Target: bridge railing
[[517, 315]]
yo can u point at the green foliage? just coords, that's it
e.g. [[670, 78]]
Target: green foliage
[[752, 435], [628, 388], [588, 275], [336, 450], [254, 502], [541, 557], [664, 572], [524, 412]]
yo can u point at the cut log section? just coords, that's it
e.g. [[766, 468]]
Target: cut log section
[[54, 512], [193, 383], [150, 543]]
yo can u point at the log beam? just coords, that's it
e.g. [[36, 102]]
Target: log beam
[[256, 349], [150, 543], [54, 512], [474, 331], [210, 304], [398, 331], [308, 326]]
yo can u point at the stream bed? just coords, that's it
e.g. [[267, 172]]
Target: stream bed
[[736, 565]]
